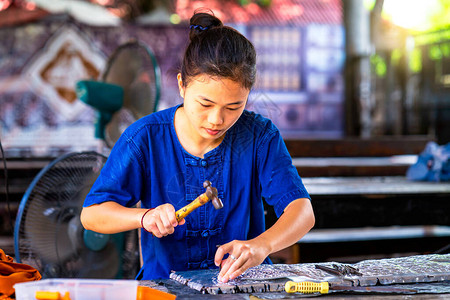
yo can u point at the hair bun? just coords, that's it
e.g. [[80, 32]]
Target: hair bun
[[202, 21]]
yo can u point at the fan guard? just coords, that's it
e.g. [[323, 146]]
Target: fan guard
[[132, 66], [49, 235]]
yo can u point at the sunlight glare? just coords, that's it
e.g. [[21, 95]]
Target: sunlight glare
[[411, 14]]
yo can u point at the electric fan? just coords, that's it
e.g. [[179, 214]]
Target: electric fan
[[49, 235], [129, 90]]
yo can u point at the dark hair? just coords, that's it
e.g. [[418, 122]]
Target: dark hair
[[218, 51]]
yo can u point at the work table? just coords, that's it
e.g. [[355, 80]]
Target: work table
[[418, 277], [185, 293]]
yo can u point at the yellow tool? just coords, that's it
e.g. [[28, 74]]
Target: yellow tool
[[306, 287]]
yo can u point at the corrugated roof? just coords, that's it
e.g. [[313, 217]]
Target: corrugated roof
[[279, 12]]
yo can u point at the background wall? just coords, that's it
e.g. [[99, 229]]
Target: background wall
[[299, 83], [40, 64]]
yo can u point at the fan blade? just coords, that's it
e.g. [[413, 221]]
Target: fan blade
[[119, 122], [132, 66], [48, 238]]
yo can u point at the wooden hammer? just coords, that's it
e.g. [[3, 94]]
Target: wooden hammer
[[210, 194]]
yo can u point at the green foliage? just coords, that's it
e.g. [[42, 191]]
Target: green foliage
[[414, 63], [435, 52], [396, 55], [262, 3], [442, 17], [445, 48], [415, 60], [244, 2], [379, 65], [432, 37]]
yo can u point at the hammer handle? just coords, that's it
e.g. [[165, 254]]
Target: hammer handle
[[183, 212]]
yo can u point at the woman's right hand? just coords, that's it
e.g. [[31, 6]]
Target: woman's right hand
[[161, 221]]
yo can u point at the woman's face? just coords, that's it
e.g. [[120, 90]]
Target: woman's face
[[212, 105]]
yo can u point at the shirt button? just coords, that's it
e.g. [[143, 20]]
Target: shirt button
[[204, 163], [205, 233]]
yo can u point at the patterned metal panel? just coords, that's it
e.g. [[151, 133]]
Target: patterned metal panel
[[272, 278]]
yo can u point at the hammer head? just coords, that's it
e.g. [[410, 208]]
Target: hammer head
[[211, 193]]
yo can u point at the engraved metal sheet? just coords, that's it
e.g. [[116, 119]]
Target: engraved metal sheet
[[271, 278]]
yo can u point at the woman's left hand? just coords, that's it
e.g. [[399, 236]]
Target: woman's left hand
[[242, 255]]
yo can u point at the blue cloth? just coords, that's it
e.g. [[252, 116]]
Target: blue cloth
[[433, 164], [149, 164]]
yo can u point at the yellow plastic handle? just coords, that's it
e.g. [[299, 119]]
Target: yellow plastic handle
[[47, 295], [306, 287]]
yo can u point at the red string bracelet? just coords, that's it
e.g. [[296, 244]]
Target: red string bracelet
[[142, 220]]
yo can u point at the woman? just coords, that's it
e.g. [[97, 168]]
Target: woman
[[163, 159]]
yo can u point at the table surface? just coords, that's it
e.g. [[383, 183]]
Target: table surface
[[426, 275], [185, 293]]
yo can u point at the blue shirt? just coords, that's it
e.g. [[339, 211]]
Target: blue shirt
[[149, 164]]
